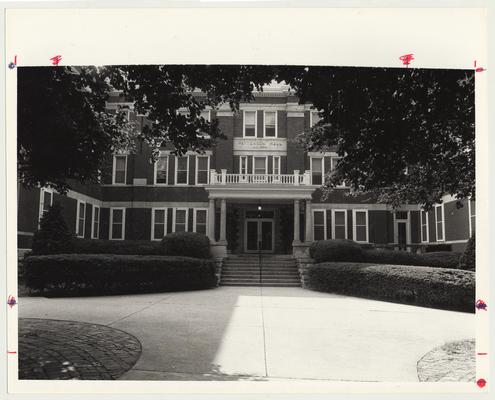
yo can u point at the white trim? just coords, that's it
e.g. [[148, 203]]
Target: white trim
[[427, 226], [264, 124], [114, 170], [324, 222], [151, 204], [93, 236], [244, 123], [443, 223], [209, 114], [322, 169], [88, 199], [112, 209], [41, 202], [240, 164], [470, 216], [333, 221], [354, 226], [322, 154], [407, 221], [311, 117], [155, 170], [176, 171], [165, 209], [78, 234], [207, 171], [174, 217], [195, 210]]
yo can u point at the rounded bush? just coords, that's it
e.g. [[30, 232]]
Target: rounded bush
[[468, 258], [188, 244], [336, 250], [53, 237]]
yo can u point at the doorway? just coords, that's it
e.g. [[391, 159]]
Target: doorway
[[259, 235]]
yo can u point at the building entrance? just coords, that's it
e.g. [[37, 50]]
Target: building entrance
[[259, 235]]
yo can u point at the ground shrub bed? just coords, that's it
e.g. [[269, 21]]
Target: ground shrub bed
[[189, 244], [102, 274], [348, 250], [423, 286], [122, 247]]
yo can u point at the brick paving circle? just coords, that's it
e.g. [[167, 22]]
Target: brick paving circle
[[55, 349], [452, 362]]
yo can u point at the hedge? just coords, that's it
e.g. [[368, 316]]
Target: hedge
[[348, 250], [122, 247], [189, 244], [468, 258], [423, 286], [102, 274]]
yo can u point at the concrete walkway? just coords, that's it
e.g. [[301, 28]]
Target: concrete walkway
[[236, 333]]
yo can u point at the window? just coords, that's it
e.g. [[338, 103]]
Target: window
[[319, 225], [206, 114], [276, 165], [202, 170], [46, 201], [472, 217], [339, 224], [259, 165], [200, 220], [439, 222], [95, 225], [180, 220], [314, 118], [119, 170], [250, 124], [117, 223], [161, 170], [182, 170], [243, 162], [270, 123], [360, 225], [425, 236], [81, 218], [316, 170], [158, 223]]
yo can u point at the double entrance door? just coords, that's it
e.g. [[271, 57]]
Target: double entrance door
[[259, 235]]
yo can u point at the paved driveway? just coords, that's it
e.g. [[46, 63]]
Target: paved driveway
[[265, 333]]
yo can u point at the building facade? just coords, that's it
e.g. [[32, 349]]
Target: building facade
[[256, 191]]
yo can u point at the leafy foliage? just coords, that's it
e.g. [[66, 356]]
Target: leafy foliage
[[189, 244], [53, 236], [468, 258]]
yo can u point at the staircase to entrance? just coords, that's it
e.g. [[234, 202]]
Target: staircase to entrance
[[260, 270]]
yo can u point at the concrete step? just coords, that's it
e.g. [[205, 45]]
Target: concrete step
[[257, 279], [263, 284], [256, 268]]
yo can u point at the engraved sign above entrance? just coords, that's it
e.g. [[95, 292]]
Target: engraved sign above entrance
[[249, 145]]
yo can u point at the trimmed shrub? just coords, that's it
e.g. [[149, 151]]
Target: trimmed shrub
[[394, 257], [336, 250], [468, 258], [53, 237], [444, 288], [190, 244], [123, 247], [103, 274], [434, 248], [442, 259]]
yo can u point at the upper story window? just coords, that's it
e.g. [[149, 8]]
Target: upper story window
[[249, 127], [161, 170], [46, 201], [95, 224], [314, 118], [117, 223], [182, 170], [243, 165], [260, 165], [439, 222], [270, 123], [119, 176], [317, 171], [276, 165], [424, 227], [81, 218], [202, 170], [360, 228]]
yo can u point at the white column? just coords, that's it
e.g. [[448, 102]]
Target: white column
[[309, 222], [211, 220], [297, 231], [223, 220]]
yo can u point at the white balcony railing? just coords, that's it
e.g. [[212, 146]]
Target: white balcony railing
[[295, 179]]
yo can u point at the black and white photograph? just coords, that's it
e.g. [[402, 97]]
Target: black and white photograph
[[246, 223]]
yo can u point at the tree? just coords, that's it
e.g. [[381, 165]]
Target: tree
[[468, 258]]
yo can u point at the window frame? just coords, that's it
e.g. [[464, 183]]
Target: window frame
[[334, 210], [324, 211], [110, 233], [264, 124], [195, 211], [425, 213], [174, 218], [97, 236], [471, 216], [244, 123], [155, 170], [266, 165], [322, 169], [240, 165], [165, 212], [441, 206], [42, 202], [278, 159], [354, 225], [207, 156], [114, 169], [177, 171], [78, 217], [311, 123]]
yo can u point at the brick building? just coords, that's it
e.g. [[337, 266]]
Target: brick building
[[254, 191]]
